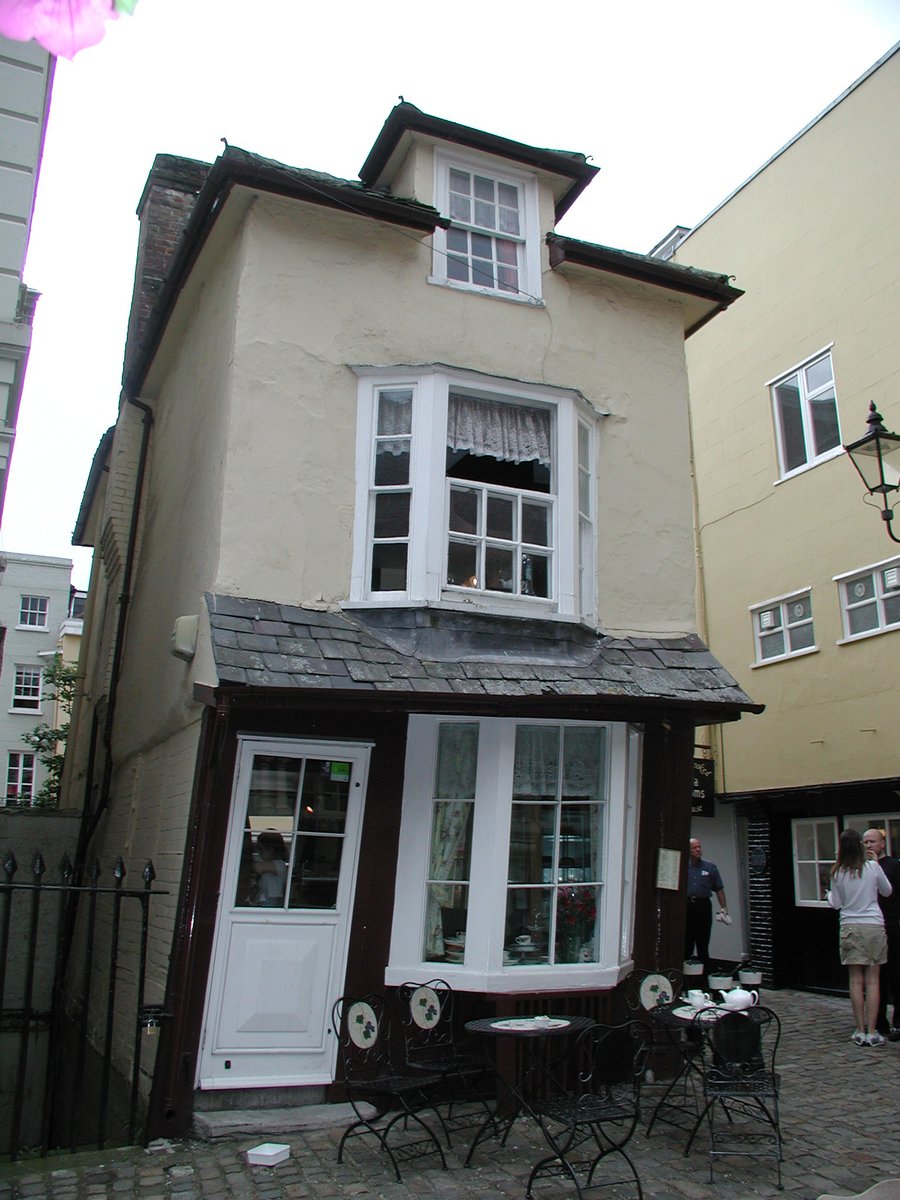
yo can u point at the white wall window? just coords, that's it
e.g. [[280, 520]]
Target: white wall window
[[33, 612], [26, 695], [518, 847], [19, 778], [815, 850], [870, 599], [783, 628], [471, 491], [493, 244], [806, 417]]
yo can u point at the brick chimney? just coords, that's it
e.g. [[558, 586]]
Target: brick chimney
[[164, 210]]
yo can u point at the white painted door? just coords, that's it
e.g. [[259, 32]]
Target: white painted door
[[288, 881]]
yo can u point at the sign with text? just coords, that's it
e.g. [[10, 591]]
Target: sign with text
[[702, 804]]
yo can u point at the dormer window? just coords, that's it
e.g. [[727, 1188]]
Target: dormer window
[[493, 244]]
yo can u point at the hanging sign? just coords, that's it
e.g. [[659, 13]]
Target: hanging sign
[[702, 804]]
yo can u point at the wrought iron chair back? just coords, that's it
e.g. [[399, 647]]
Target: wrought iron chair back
[[587, 1126], [362, 1027], [740, 1084]]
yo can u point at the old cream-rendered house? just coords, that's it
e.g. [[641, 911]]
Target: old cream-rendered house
[[801, 583], [393, 668]]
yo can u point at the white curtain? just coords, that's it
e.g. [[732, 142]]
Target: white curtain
[[510, 432]]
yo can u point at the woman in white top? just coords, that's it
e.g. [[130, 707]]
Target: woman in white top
[[856, 883]]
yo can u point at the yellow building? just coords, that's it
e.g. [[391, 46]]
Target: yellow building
[[800, 584]]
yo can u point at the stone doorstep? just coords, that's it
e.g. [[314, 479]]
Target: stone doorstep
[[266, 1122]]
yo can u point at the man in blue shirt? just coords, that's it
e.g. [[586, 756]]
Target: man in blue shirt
[[703, 879]]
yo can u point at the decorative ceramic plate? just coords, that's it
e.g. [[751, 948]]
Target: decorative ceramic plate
[[654, 990], [529, 1024], [687, 1012], [361, 1024], [425, 1007]]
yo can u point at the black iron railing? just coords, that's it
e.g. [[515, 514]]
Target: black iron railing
[[71, 986]]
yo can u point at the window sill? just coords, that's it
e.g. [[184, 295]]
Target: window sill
[[525, 980], [33, 628], [768, 662], [492, 293], [810, 466], [531, 608], [868, 633], [25, 712]]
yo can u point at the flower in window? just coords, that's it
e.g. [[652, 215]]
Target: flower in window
[[576, 909], [61, 26]]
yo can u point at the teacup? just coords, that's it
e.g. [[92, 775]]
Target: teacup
[[698, 999], [523, 939], [542, 1021]]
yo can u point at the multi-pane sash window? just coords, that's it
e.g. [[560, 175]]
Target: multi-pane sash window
[[871, 599], [33, 611], [27, 689], [483, 243], [19, 777], [806, 417], [784, 627], [815, 849], [500, 538], [391, 490]]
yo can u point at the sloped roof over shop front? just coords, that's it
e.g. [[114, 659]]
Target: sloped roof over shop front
[[447, 656]]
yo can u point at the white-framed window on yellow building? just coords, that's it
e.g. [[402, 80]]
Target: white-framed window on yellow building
[[783, 628], [804, 404], [870, 599]]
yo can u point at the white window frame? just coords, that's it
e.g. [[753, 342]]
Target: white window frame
[[807, 398], [34, 606], [529, 240], [573, 576], [819, 861], [788, 621], [483, 969], [23, 690], [16, 772], [880, 574]]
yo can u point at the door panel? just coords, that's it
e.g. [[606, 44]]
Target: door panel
[[281, 935]]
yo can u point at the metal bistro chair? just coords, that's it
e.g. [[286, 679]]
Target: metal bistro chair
[[740, 1085], [644, 991], [431, 1046], [362, 1029], [587, 1126]]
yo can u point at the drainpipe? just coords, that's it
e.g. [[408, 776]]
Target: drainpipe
[[124, 601]]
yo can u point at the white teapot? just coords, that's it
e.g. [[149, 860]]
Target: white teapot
[[739, 998]]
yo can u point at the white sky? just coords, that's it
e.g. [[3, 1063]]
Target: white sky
[[676, 102]]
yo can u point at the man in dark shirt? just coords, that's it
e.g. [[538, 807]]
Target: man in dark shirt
[[703, 879], [874, 843]]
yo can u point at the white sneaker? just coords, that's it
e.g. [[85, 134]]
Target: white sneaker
[[860, 1038], [874, 1039]]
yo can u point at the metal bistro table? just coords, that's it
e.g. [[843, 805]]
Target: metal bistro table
[[537, 1066], [678, 1020]]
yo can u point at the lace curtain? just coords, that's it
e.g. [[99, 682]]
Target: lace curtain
[[510, 432]]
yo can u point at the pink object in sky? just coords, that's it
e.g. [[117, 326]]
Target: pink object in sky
[[61, 26]]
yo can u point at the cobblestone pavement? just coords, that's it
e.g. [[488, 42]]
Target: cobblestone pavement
[[839, 1119]]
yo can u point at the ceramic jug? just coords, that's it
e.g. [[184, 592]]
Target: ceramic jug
[[738, 998]]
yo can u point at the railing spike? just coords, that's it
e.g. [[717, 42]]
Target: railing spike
[[119, 870], [66, 870], [95, 870], [38, 866], [148, 874], [10, 866]]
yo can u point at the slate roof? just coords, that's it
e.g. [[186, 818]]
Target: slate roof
[[445, 654]]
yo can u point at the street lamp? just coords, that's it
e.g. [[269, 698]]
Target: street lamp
[[877, 459]]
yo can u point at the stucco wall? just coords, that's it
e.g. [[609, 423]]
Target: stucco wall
[[815, 240], [322, 290]]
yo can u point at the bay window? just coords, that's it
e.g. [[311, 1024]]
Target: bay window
[[473, 491], [517, 853]]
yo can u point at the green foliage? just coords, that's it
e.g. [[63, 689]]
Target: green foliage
[[49, 743]]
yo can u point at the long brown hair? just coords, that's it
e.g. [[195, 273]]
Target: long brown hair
[[851, 855]]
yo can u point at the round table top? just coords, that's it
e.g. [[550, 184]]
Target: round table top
[[529, 1026]]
